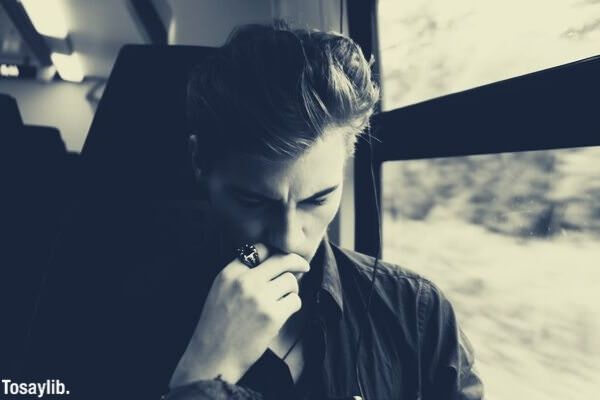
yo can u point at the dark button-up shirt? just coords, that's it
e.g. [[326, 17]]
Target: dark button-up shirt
[[127, 313], [411, 346]]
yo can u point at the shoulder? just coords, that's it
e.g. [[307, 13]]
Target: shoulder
[[399, 292], [393, 274], [398, 289]]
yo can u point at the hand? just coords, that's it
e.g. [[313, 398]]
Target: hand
[[244, 310]]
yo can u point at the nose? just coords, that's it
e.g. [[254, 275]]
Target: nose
[[286, 234]]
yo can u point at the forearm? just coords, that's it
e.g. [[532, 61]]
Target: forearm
[[198, 365]]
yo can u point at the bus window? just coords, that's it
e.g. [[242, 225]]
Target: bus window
[[513, 239], [430, 48]]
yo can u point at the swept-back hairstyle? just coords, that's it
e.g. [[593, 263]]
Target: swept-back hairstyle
[[273, 91]]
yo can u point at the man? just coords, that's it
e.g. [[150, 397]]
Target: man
[[246, 298], [277, 114]]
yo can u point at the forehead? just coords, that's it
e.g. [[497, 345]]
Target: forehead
[[320, 167]]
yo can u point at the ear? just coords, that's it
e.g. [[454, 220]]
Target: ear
[[193, 151], [199, 174]]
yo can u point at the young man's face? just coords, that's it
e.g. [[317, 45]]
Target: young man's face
[[286, 205]]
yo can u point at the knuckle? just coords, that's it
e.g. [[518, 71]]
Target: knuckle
[[292, 281], [296, 302], [272, 323], [264, 316], [255, 303], [295, 260], [263, 251], [239, 286], [286, 276], [263, 302]]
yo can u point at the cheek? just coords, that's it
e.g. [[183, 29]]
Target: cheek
[[238, 223]]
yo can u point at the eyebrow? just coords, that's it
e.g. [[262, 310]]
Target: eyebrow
[[251, 193]]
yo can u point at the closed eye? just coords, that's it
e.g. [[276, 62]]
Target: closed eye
[[250, 201], [321, 197], [317, 201], [256, 203]]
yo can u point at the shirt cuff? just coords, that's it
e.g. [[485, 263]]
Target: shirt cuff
[[215, 389]]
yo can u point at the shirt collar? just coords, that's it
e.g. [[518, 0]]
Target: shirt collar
[[331, 282]]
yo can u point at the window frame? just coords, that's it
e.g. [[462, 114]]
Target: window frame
[[550, 109]]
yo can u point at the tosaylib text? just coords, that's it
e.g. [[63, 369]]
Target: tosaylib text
[[39, 389]]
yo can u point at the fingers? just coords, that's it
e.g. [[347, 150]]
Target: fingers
[[263, 252], [278, 264], [288, 305], [269, 268], [283, 285], [236, 267]]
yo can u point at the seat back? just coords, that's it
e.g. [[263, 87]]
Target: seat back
[[38, 191], [137, 144], [10, 116], [134, 215]]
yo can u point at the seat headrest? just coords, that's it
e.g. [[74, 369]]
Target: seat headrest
[[43, 141], [10, 116], [138, 141]]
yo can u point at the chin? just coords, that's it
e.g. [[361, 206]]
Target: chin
[[310, 257]]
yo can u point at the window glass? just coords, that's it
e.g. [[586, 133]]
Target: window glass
[[430, 48], [513, 240]]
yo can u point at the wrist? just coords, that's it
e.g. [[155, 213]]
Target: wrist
[[228, 371]]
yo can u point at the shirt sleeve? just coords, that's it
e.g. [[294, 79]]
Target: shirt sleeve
[[447, 357], [215, 389]]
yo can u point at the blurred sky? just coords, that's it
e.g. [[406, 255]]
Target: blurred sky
[[429, 48]]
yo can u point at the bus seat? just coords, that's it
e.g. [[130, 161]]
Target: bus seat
[[40, 168], [135, 208], [10, 117], [138, 139], [10, 124]]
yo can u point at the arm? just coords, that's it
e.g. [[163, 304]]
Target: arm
[[447, 368], [215, 389]]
